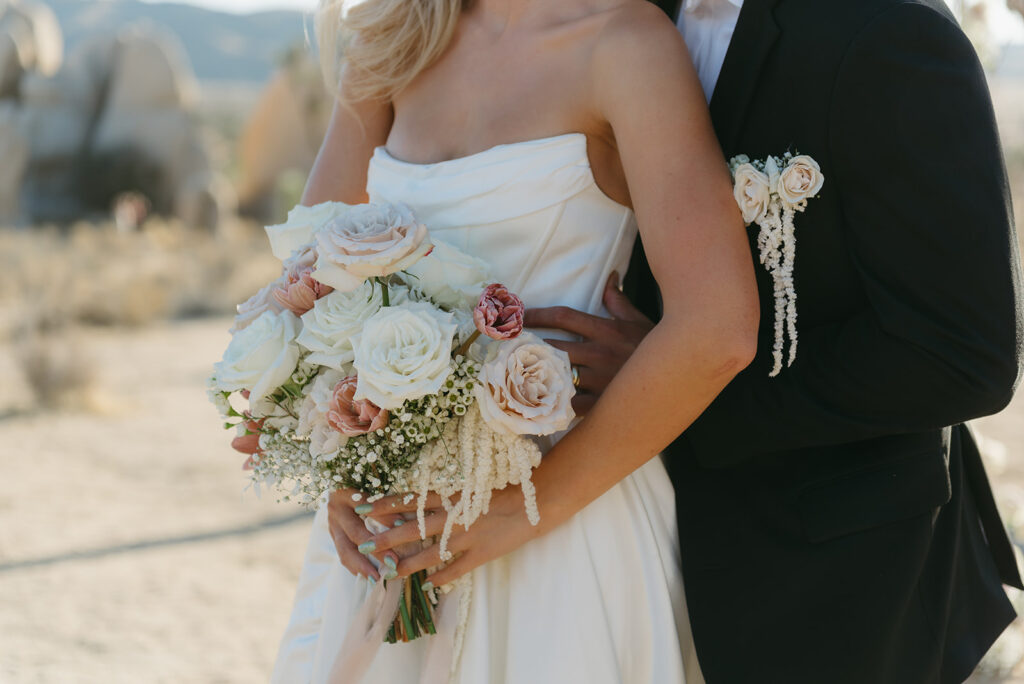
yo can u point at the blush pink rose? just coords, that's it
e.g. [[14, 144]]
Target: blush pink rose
[[298, 291], [499, 314], [353, 417]]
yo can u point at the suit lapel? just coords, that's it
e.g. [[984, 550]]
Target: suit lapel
[[756, 32]]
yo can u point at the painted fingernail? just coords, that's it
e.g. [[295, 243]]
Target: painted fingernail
[[372, 579], [390, 562], [367, 547], [390, 574], [399, 522], [427, 586], [363, 509]]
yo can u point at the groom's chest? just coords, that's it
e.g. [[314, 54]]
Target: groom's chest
[[774, 95]]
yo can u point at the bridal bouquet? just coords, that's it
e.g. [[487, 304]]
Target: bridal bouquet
[[383, 360]]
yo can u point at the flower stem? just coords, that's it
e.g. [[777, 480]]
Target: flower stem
[[464, 349], [403, 610], [384, 294], [428, 617]]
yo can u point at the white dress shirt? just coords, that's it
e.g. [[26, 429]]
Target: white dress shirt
[[707, 26]]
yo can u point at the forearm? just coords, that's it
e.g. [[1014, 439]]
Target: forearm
[[852, 381], [666, 384]]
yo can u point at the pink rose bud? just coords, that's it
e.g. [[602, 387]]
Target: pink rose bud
[[353, 417], [297, 291], [499, 315]]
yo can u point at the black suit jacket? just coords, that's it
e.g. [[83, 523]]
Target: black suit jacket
[[836, 523]]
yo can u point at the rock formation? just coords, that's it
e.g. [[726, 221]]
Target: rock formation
[[282, 135], [118, 116]]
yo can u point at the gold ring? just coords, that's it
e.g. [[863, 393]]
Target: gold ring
[[575, 376]]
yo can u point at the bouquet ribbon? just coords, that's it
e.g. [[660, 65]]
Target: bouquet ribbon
[[365, 634]]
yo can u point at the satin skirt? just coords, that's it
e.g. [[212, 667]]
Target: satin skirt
[[599, 600]]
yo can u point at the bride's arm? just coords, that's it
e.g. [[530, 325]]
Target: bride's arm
[[647, 90], [339, 173]]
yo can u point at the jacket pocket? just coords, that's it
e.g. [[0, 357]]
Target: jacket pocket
[[897, 489]]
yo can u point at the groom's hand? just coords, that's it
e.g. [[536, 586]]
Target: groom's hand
[[606, 343]]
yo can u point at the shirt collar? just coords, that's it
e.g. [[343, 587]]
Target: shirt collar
[[692, 5]]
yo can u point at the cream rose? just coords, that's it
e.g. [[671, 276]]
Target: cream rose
[[526, 387], [328, 328], [800, 180], [369, 241], [752, 190], [324, 441], [260, 357], [449, 276], [253, 308], [302, 223], [403, 353]]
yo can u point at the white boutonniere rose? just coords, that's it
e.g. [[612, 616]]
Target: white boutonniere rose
[[261, 357], [403, 352], [526, 387], [800, 180], [369, 241], [752, 192]]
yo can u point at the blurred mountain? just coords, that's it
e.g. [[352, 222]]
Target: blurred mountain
[[221, 46]]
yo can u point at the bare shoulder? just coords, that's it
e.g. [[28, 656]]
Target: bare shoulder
[[639, 50], [637, 29], [638, 44]]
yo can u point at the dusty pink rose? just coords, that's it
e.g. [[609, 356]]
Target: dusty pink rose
[[499, 315], [353, 417], [297, 290]]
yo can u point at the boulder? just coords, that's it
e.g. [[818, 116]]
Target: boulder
[[30, 40], [14, 150], [283, 134]]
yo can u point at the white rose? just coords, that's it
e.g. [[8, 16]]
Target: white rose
[[449, 276], [324, 441], [260, 357], [369, 241], [403, 353], [300, 226], [328, 328], [800, 180], [752, 190], [253, 308], [526, 387]]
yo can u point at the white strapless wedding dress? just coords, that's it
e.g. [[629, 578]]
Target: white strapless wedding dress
[[598, 600]]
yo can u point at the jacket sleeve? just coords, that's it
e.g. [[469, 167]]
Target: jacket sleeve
[[916, 160]]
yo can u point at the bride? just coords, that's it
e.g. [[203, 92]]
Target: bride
[[539, 134]]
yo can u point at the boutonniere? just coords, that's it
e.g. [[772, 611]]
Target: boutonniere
[[770, 192]]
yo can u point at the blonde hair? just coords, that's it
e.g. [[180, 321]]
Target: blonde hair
[[381, 44]]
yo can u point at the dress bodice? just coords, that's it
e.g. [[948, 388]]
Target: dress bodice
[[530, 209]]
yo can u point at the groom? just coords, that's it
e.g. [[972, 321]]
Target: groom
[[836, 523]]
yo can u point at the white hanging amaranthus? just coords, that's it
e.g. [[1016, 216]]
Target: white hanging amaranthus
[[471, 460], [769, 192]]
